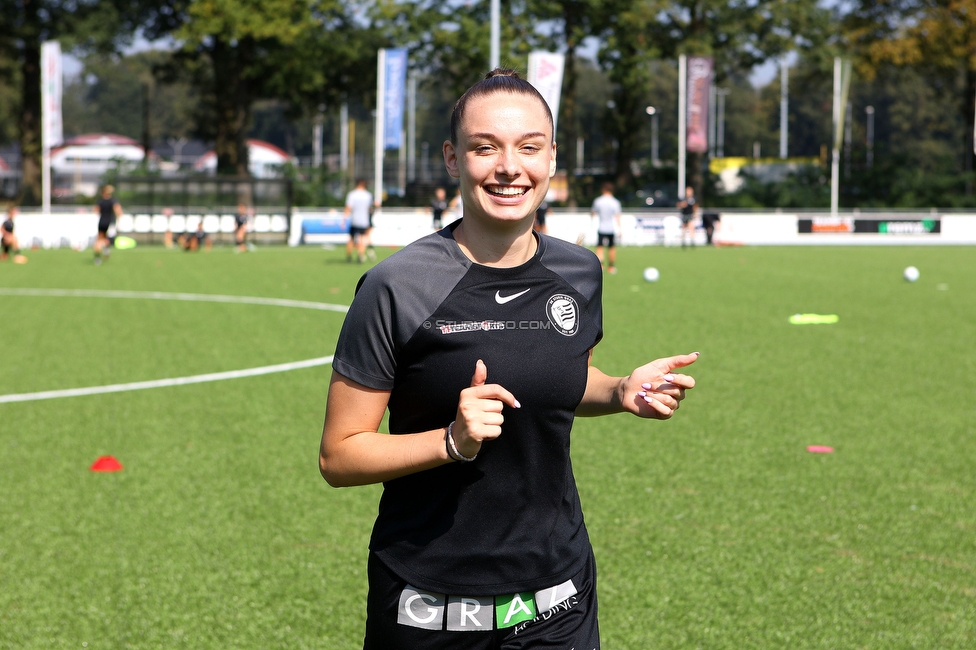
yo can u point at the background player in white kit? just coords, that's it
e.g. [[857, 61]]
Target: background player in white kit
[[359, 209], [606, 209]]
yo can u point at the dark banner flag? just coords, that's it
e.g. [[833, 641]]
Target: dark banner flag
[[699, 86]]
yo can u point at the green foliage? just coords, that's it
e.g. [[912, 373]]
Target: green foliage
[[316, 188], [241, 51], [913, 166], [83, 25], [107, 97], [808, 188], [935, 39], [737, 35], [9, 99]]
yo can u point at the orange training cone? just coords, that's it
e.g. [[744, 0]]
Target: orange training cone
[[106, 464]]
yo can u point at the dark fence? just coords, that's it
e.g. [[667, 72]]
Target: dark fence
[[212, 194], [182, 199]]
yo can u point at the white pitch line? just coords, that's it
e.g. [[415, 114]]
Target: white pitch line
[[159, 295], [175, 381], [161, 383]]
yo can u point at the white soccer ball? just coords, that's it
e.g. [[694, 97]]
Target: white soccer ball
[[651, 274], [911, 274]]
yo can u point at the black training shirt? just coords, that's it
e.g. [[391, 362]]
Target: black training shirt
[[511, 520]]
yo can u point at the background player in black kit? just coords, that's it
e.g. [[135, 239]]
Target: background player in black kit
[[689, 215], [480, 541], [437, 207], [240, 227], [8, 240], [108, 209]]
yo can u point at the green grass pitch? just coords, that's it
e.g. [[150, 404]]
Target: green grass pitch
[[716, 529]]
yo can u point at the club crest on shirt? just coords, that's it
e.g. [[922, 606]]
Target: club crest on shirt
[[563, 313]]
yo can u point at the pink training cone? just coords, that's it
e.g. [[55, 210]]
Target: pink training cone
[[106, 464], [820, 449]]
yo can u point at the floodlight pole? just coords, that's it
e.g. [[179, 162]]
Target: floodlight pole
[[495, 59], [378, 148], [848, 138], [412, 127], [655, 159], [682, 121], [344, 138], [784, 103], [869, 110], [317, 128], [46, 180], [835, 153], [720, 136]]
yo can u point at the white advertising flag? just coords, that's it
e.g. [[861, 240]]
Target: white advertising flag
[[546, 74], [52, 132]]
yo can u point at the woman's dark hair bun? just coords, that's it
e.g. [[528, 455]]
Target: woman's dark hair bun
[[503, 72]]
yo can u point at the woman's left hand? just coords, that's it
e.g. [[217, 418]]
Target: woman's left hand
[[654, 390]]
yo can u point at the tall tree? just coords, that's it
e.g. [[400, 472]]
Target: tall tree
[[240, 51], [108, 94], [938, 36], [570, 23], [82, 25], [738, 36], [451, 41]]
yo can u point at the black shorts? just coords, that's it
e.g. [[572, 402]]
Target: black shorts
[[399, 617], [686, 218], [103, 227], [356, 231], [605, 239], [5, 247]]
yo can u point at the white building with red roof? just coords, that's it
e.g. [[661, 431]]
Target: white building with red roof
[[96, 153], [264, 160], [78, 165]]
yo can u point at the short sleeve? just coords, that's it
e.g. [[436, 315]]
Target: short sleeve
[[365, 351]]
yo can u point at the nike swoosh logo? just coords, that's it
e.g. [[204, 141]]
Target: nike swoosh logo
[[502, 300]]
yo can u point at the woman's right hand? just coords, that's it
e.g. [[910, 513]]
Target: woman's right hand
[[479, 413]]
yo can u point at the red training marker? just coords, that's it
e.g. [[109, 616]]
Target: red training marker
[[106, 464], [819, 449]]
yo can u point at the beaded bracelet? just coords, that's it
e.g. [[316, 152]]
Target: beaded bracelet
[[452, 449]]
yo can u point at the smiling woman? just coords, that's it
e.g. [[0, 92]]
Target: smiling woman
[[503, 161], [480, 540]]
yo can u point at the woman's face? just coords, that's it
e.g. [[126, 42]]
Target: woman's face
[[504, 156]]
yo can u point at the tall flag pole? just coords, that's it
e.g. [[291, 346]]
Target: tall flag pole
[[378, 139], [391, 80], [52, 131]]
